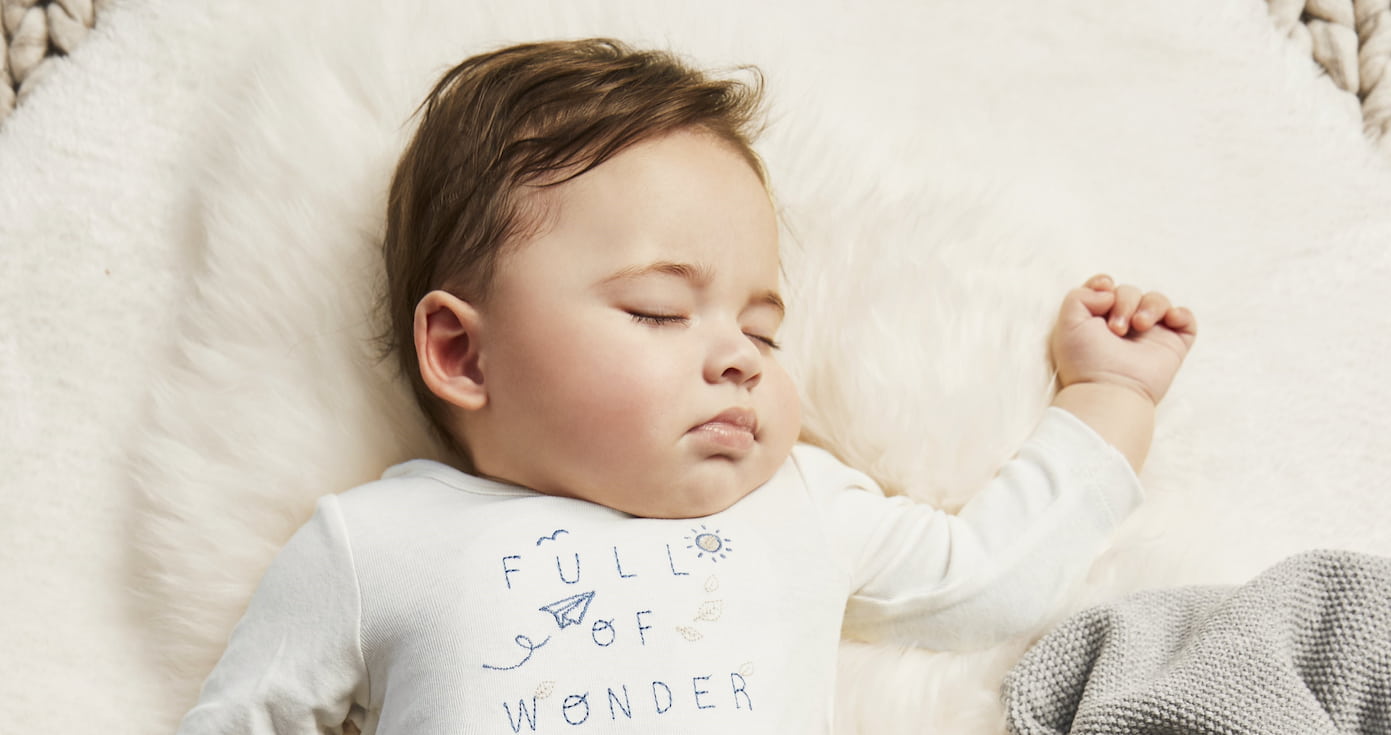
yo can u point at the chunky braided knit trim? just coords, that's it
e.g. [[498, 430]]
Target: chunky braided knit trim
[[1351, 40], [33, 32]]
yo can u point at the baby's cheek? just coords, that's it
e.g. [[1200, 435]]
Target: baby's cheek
[[621, 399], [786, 409]]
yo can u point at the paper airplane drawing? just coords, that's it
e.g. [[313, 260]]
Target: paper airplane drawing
[[570, 610]]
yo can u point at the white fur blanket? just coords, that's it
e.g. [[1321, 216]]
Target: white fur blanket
[[189, 206]]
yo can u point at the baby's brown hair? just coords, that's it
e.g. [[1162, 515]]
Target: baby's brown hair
[[527, 116]]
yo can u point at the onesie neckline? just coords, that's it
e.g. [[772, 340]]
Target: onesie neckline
[[455, 478]]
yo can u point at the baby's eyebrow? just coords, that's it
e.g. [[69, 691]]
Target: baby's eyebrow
[[771, 298], [693, 272]]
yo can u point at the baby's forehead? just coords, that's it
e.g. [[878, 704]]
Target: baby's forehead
[[668, 199]]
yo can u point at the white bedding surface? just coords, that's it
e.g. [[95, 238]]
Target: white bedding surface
[[997, 153], [92, 267]]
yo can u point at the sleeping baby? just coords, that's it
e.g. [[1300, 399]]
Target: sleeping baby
[[583, 290]]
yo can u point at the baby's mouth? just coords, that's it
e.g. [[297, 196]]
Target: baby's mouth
[[733, 430]]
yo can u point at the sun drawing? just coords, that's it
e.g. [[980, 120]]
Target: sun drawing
[[705, 541]]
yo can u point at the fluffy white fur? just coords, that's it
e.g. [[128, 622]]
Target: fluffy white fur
[[945, 170]]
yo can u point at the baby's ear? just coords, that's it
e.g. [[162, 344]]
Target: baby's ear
[[447, 338]]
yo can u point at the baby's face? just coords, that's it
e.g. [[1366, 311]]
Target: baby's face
[[626, 351]]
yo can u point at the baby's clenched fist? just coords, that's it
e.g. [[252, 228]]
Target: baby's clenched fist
[[1121, 335]]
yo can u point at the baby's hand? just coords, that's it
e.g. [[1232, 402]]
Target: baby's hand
[[1120, 335]]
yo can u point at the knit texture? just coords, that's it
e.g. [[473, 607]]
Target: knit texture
[[1303, 648]]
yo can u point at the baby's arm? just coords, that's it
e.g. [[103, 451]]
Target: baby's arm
[[994, 569], [294, 663], [1117, 350]]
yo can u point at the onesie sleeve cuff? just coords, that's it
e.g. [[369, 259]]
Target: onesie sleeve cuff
[[1093, 462]]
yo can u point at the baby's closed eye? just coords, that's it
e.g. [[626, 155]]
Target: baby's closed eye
[[656, 318], [659, 318], [766, 340]]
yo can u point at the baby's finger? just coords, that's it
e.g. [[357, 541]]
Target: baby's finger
[[1127, 299], [1153, 306], [1084, 303], [1100, 282], [1181, 320]]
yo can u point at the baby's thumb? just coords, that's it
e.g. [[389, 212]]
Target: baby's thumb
[[1081, 304]]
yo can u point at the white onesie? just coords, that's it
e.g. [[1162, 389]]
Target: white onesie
[[433, 601]]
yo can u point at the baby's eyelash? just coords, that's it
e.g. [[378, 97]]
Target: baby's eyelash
[[772, 344], [656, 319]]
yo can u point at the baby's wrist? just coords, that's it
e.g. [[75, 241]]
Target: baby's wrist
[[1122, 414], [1125, 389]]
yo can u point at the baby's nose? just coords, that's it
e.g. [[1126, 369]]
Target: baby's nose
[[735, 360]]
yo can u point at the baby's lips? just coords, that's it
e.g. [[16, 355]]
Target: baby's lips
[[738, 417]]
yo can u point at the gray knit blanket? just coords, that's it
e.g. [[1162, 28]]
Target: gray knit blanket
[[1303, 648]]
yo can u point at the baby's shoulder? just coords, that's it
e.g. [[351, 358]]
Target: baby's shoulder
[[823, 471], [422, 496]]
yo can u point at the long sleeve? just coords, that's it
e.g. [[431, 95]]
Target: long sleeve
[[294, 663], [922, 576]]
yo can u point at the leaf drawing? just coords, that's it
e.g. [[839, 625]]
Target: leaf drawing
[[709, 611]]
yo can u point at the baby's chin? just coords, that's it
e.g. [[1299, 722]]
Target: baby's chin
[[677, 510], [705, 497]]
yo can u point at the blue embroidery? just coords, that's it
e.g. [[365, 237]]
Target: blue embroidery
[[552, 537], [626, 706], [525, 643], [569, 611], [522, 714], [618, 564], [699, 691], [705, 541], [561, 571], [737, 683], [506, 570], [573, 701], [600, 626], [672, 563], [656, 699]]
